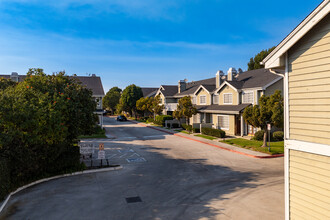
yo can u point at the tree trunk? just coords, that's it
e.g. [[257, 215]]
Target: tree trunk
[[265, 139]]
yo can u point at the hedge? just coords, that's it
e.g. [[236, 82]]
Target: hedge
[[160, 119], [149, 120], [214, 132], [187, 127], [278, 136]]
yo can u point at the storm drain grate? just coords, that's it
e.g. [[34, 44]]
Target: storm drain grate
[[133, 199]]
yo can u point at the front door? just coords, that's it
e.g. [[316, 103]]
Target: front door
[[237, 125]]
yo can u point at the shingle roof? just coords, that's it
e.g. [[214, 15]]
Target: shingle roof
[[189, 91], [253, 79], [210, 81], [233, 109], [91, 82], [169, 90], [148, 92]]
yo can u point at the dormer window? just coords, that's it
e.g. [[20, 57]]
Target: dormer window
[[202, 100], [228, 98], [248, 97]]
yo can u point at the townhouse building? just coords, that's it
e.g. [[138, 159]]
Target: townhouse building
[[304, 56]]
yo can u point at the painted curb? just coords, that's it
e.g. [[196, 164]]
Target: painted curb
[[213, 145], [56, 177]]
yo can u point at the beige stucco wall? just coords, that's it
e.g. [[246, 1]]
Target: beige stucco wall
[[203, 92], [227, 89], [309, 86], [231, 130], [309, 181], [276, 86]]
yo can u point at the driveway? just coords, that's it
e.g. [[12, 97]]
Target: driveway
[[163, 177]]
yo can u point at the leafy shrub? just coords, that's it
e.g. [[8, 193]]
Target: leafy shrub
[[149, 120], [5, 186], [214, 132], [259, 135], [196, 130], [186, 127], [160, 119], [278, 136]]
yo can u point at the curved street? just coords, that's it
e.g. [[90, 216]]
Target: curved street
[[163, 177]]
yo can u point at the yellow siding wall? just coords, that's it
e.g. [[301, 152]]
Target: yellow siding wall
[[227, 89], [276, 86], [309, 85], [208, 97], [231, 130], [309, 180], [162, 97]]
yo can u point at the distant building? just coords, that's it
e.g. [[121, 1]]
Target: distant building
[[91, 82]]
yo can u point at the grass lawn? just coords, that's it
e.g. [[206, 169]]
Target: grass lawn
[[275, 147], [205, 136], [182, 131]]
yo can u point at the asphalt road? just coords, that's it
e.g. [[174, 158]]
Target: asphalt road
[[173, 178]]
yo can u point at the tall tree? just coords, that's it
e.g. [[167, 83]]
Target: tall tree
[[111, 99], [255, 62], [128, 99], [269, 110], [150, 105], [185, 109]]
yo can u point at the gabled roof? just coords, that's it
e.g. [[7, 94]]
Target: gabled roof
[[210, 81], [187, 92], [259, 78], [276, 58], [227, 109], [91, 82], [168, 90], [207, 88], [148, 92]]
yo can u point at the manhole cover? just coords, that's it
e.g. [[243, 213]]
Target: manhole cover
[[133, 199], [138, 160]]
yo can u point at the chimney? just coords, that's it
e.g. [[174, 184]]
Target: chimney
[[218, 77], [93, 75], [14, 76], [182, 85], [231, 74]]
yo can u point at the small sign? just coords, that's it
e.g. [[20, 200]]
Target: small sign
[[269, 127], [101, 155], [101, 146], [86, 148]]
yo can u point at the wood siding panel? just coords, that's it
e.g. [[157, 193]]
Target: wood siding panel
[[228, 89], [309, 182]]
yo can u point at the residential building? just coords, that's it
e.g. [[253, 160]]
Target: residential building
[[91, 82], [304, 55], [149, 92], [222, 104]]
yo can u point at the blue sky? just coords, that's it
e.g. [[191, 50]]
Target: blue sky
[[149, 42]]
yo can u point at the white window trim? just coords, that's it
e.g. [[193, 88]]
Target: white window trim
[[214, 98], [228, 102], [200, 100], [245, 92], [228, 122]]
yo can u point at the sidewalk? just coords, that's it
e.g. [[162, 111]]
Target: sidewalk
[[214, 143]]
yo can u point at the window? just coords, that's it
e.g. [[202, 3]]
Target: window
[[223, 122], [215, 99], [202, 99], [248, 97], [228, 98]]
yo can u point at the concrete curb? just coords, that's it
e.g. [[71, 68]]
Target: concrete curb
[[213, 145], [56, 177]]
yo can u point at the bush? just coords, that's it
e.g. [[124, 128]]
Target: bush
[[187, 127], [5, 186], [278, 136], [196, 130], [149, 120], [214, 132], [259, 135], [175, 125], [160, 119]]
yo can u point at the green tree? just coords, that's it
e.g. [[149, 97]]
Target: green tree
[[255, 62], [150, 105], [128, 99], [185, 109], [40, 120], [5, 83], [269, 110], [157, 108], [111, 99]]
